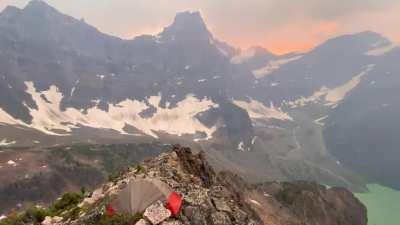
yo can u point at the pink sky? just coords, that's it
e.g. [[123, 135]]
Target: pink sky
[[279, 25]]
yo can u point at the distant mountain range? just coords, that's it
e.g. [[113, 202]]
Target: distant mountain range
[[329, 114]]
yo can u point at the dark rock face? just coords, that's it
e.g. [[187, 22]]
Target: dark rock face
[[363, 131], [196, 165], [314, 204]]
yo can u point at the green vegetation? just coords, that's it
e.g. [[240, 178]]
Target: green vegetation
[[67, 201], [284, 197], [111, 159], [118, 219], [66, 206], [287, 194], [79, 165], [140, 169]]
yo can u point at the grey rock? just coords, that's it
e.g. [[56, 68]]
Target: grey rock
[[196, 215], [220, 218], [221, 205]]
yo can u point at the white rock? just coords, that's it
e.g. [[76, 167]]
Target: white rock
[[96, 195], [157, 213], [52, 220], [12, 163]]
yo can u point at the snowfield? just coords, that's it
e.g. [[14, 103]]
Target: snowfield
[[243, 56], [50, 119], [273, 65], [379, 49], [257, 110], [331, 97]]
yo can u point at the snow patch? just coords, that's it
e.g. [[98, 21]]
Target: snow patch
[[274, 84], [273, 65], [202, 80], [101, 76], [243, 56], [74, 88], [6, 118], [49, 118], [379, 49], [6, 142], [319, 121], [331, 97], [241, 146], [253, 140], [258, 110], [11, 163]]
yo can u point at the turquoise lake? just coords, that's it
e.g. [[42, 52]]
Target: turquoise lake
[[383, 205]]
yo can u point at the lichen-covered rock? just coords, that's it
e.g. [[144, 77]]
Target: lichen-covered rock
[[156, 213], [96, 195], [172, 222], [52, 220], [221, 205], [220, 218], [142, 222]]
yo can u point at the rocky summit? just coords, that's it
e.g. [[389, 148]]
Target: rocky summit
[[208, 198]]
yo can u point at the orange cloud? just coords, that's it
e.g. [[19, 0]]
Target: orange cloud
[[300, 37]]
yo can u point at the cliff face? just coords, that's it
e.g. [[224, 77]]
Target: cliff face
[[307, 203], [217, 199]]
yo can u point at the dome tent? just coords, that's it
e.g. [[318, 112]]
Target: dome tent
[[140, 194]]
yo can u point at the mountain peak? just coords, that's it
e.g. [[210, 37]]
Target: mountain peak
[[356, 43], [188, 17], [9, 10], [39, 6], [187, 26]]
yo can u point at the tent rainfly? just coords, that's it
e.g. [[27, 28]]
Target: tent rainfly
[[140, 194]]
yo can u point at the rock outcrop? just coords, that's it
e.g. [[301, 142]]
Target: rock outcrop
[[211, 198]]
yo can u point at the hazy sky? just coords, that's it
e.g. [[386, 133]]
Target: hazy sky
[[279, 25]]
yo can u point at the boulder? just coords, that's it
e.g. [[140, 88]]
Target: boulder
[[221, 205], [157, 213]]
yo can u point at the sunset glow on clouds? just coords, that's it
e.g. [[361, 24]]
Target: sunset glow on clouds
[[279, 25]]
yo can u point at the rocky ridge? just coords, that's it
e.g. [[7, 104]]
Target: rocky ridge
[[211, 198]]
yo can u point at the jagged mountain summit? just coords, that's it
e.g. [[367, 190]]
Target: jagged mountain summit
[[300, 116], [208, 197]]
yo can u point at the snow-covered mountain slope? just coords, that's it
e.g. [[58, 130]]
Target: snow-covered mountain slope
[[61, 80]]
